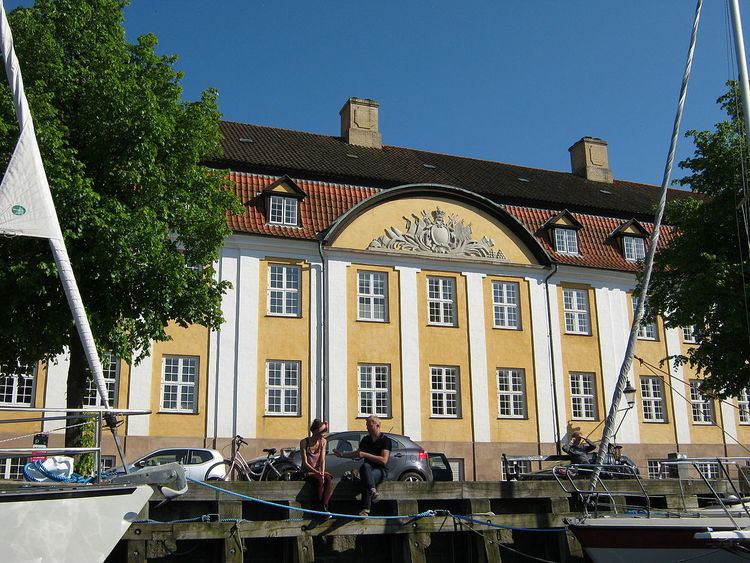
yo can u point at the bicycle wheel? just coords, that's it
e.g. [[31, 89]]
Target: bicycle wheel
[[286, 472], [219, 471]]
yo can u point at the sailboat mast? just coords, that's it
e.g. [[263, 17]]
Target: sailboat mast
[[611, 421]]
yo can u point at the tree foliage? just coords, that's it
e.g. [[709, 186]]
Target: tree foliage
[[702, 277], [122, 152]]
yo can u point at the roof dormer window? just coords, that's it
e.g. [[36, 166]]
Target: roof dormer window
[[283, 211], [634, 248], [563, 231], [566, 241], [631, 236]]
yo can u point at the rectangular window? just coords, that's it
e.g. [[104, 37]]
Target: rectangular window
[[702, 406], [576, 306], [688, 334], [18, 389], [634, 248], [178, 383], [566, 241], [283, 211], [283, 290], [743, 404], [647, 330], [657, 470], [282, 388], [374, 390], [512, 468], [710, 469], [12, 468], [511, 393], [111, 371], [444, 391], [441, 301], [652, 397], [372, 296], [505, 305], [583, 396]]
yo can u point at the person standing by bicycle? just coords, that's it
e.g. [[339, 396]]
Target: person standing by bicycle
[[313, 451]]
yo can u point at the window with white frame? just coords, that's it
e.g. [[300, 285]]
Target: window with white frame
[[282, 210], [652, 399], [709, 469], [178, 383], [657, 470], [18, 389], [647, 330], [566, 241], [701, 406], [283, 290], [372, 296], [743, 404], [510, 469], [688, 334], [441, 301], [444, 391], [511, 393], [634, 248], [583, 396], [505, 305], [374, 390], [576, 307], [111, 372], [282, 388], [12, 468]]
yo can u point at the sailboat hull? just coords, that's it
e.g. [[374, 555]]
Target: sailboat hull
[[79, 525]]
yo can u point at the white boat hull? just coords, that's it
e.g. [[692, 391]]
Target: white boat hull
[[77, 524]]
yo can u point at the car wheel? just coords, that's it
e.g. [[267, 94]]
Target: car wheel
[[218, 467], [411, 477]]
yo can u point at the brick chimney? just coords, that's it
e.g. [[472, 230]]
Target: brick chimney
[[359, 123], [588, 159]]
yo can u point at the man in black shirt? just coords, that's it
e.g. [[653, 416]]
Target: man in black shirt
[[579, 449], [374, 449]]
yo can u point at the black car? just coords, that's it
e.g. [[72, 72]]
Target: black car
[[441, 467]]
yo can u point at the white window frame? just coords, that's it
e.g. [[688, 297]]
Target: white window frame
[[111, 372], [511, 393], [12, 468], [583, 396], [186, 390], [283, 210], [444, 308], [688, 334], [647, 331], [285, 389], [576, 309], [702, 408], [520, 466], [652, 399], [743, 406], [21, 395], [445, 388], [710, 469], [506, 312], [656, 469], [634, 248], [566, 241], [287, 288], [374, 385], [369, 298]]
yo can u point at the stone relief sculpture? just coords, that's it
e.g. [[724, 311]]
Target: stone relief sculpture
[[435, 233]]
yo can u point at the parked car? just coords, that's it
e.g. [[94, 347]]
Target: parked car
[[441, 467], [408, 460], [196, 461]]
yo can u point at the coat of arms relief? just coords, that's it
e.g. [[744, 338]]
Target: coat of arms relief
[[436, 233]]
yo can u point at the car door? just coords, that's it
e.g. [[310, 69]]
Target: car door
[[441, 468], [344, 442], [199, 461], [160, 457]]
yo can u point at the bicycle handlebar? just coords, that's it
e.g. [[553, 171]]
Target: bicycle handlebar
[[240, 440]]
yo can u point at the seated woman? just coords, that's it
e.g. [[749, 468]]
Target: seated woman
[[313, 451]]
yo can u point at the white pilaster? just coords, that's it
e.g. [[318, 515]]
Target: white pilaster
[[315, 381], [614, 327], [410, 377], [681, 406], [478, 357], [728, 417], [336, 391], [56, 390], [140, 394], [247, 291]]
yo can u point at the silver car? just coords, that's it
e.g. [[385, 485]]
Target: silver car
[[408, 460], [196, 461]]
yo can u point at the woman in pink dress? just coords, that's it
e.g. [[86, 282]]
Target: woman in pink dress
[[313, 450]]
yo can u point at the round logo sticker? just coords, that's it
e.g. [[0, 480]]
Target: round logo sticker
[[18, 210]]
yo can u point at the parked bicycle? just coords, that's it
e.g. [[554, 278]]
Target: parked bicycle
[[238, 469]]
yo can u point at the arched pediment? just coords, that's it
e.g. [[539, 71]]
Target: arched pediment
[[435, 221]]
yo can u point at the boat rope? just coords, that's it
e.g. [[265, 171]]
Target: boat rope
[[32, 434], [38, 466], [503, 526]]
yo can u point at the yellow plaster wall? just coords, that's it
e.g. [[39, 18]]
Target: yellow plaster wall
[[564, 221], [372, 342], [581, 353], [444, 346], [283, 338], [190, 341], [283, 188], [371, 225], [508, 348]]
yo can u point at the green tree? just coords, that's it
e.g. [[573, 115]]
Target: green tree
[[702, 276], [122, 152]]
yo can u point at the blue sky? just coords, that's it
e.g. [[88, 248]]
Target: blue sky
[[515, 82]]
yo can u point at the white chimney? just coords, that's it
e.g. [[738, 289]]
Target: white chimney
[[359, 123]]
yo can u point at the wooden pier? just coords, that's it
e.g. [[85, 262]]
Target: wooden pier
[[235, 529]]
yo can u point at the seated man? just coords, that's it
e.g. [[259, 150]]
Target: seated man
[[374, 449], [579, 449]]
